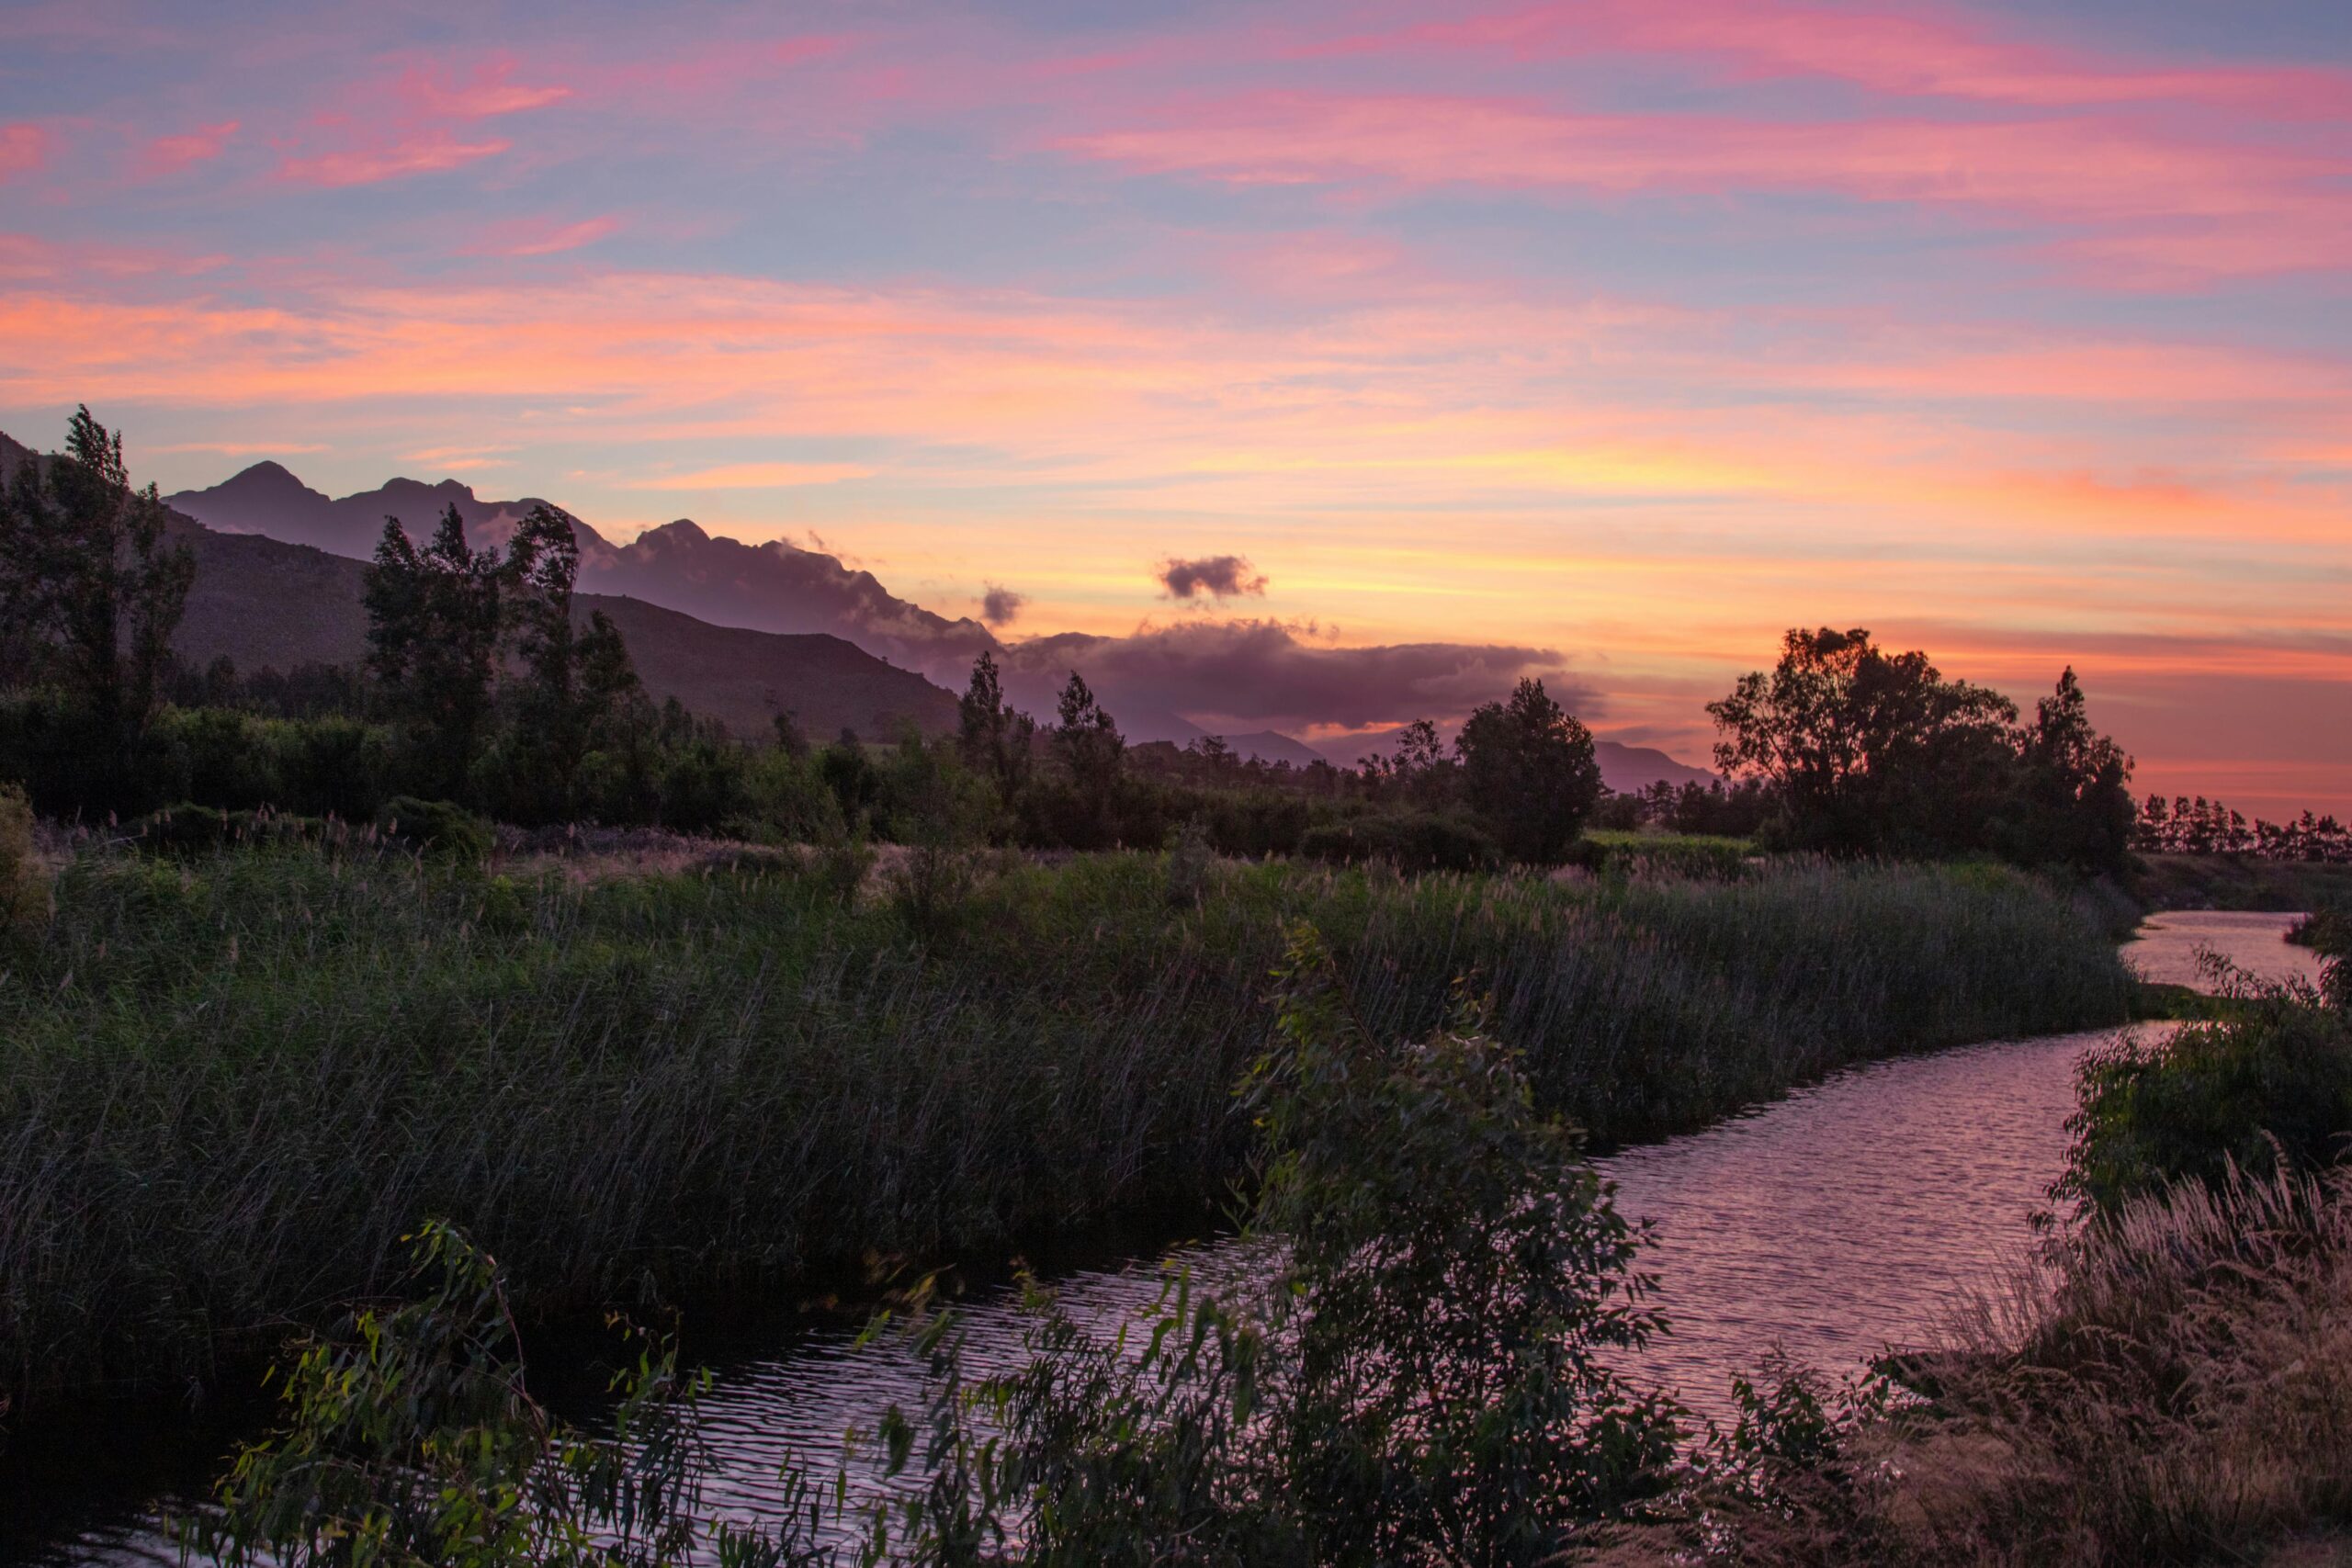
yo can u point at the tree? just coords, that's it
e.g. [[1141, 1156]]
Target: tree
[[993, 738], [432, 626], [1416, 768], [2073, 803], [1089, 742], [89, 584], [575, 685], [1527, 771], [1868, 752]]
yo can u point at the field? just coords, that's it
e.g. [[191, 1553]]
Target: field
[[231, 1084]]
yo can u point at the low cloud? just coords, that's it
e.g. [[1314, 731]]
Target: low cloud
[[1259, 674], [1000, 606], [1219, 577]]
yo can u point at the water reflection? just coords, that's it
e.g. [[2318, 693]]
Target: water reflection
[[2169, 947]]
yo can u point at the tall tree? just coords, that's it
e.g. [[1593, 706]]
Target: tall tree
[[432, 632], [1870, 752], [1527, 771], [994, 738], [574, 684], [90, 584], [1088, 741], [2075, 801]]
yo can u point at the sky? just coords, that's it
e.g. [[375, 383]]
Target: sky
[[1619, 335]]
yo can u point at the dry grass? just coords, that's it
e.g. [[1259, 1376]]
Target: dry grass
[[2176, 1389]]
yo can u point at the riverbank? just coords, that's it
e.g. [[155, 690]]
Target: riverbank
[[233, 1083]]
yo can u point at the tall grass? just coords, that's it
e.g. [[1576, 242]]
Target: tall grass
[[229, 1085], [2176, 1389]]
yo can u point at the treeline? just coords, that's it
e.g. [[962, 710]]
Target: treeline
[[2199, 826]]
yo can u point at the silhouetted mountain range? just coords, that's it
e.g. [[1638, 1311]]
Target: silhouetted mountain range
[[693, 605]]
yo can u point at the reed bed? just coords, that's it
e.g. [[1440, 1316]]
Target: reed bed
[[229, 1085]]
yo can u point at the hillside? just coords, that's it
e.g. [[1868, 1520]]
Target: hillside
[[262, 602], [772, 587]]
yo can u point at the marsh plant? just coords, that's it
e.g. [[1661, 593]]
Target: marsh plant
[[1418, 1379], [233, 1080]]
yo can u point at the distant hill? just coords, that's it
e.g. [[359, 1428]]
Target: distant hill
[[1624, 768], [1629, 768], [263, 603], [1273, 746], [773, 587]]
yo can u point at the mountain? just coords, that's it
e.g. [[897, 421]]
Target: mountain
[[1629, 768], [261, 601], [1273, 746], [773, 587], [1623, 769]]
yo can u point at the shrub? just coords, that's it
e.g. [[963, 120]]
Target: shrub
[[2267, 1089], [1413, 841], [24, 891], [438, 829]]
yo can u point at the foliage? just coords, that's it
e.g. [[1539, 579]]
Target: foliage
[[410, 1438], [24, 891], [2267, 1088], [90, 588], [1528, 774], [1868, 752], [1412, 842], [1421, 1377], [440, 829], [233, 1081], [2197, 825], [433, 627]]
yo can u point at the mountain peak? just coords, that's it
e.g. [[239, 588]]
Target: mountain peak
[[684, 531]]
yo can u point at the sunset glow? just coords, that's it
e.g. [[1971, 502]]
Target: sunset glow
[[1629, 333]]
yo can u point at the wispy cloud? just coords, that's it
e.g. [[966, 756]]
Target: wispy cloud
[[756, 476], [170, 155], [423, 152]]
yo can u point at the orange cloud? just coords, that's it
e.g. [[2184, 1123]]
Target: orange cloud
[[756, 476]]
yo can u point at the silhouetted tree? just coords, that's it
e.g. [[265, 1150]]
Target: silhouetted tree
[[432, 626], [2073, 788], [1527, 771], [575, 686], [1088, 741], [1868, 752], [91, 588], [994, 739]]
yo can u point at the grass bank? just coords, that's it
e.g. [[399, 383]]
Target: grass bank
[[229, 1085], [2242, 882]]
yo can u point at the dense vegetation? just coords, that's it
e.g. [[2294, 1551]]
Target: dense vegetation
[[234, 1080]]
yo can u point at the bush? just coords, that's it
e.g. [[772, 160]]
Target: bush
[[24, 891], [1412, 842], [438, 828], [2266, 1090]]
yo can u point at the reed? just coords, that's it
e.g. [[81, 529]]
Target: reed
[[228, 1084]]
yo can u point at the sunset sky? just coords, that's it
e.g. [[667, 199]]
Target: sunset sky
[[1630, 332]]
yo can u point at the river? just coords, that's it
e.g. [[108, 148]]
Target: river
[[1855, 1215]]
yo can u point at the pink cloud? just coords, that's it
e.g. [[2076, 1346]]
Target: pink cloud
[[1921, 54], [2222, 206], [489, 89], [540, 236], [169, 155], [420, 153], [24, 147]]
